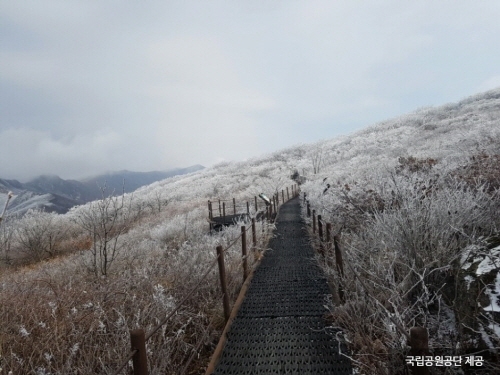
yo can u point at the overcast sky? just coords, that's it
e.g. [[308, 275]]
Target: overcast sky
[[93, 86]]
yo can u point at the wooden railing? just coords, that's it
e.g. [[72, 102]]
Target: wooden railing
[[139, 338], [418, 337]]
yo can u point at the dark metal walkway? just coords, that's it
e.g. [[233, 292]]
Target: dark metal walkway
[[280, 328]]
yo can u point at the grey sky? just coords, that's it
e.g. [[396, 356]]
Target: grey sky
[[90, 86]]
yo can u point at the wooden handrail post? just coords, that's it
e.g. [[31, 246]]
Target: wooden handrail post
[[210, 216], [140, 359], [419, 343], [274, 203], [248, 208], [305, 195], [234, 206], [320, 228], [287, 194], [283, 195], [308, 209], [224, 211], [320, 235], [256, 208], [338, 256], [340, 266], [244, 251], [222, 275], [254, 234], [314, 221], [328, 242]]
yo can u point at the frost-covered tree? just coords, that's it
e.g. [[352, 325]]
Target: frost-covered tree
[[38, 234], [105, 221], [316, 159]]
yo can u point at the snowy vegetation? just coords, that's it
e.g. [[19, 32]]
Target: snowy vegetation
[[415, 201]]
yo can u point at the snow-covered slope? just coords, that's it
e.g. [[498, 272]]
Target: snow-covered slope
[[425, 171], [54, 194]]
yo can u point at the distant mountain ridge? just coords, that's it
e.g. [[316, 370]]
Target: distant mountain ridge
[[54, 194]]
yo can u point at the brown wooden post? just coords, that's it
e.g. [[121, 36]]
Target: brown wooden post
[[244, 251], [338, 256], [340, 266], [222, 275], [254, 234], [224, 212], [314, 221], [210, 215], [256, 208], [419, 342], [140, 359], [328, 242], [305, 195], [248, 208], [274, 203], [320, 228], [293, 193], [320, 235], [283, 195], [220, 213], [308, 209], [287, 194], [234, 206]]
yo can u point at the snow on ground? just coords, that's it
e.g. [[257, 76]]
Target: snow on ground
[[486, 263]]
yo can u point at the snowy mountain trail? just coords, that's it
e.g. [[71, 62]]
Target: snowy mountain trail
[[280, 326]]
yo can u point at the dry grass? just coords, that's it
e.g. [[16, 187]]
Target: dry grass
[[403, 241], [58, 318]]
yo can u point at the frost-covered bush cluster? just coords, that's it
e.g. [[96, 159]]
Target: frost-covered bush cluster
[[415, 202], [73, 285], [405, 197]]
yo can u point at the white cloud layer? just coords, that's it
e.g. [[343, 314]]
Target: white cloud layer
[[92, 86]]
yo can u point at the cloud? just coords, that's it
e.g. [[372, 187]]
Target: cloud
[[39, 152], [93, 86]]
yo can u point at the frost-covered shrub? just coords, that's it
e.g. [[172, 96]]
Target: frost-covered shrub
[[39, 234], [483, 169], [408, 197], [431, 222]]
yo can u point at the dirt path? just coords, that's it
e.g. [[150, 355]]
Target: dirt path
[[279, 328]]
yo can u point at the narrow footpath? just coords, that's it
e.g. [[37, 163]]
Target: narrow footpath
[[280, 326]]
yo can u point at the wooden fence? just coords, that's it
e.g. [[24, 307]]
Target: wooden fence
[[418, 337], [139, 338], [228, 212]]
